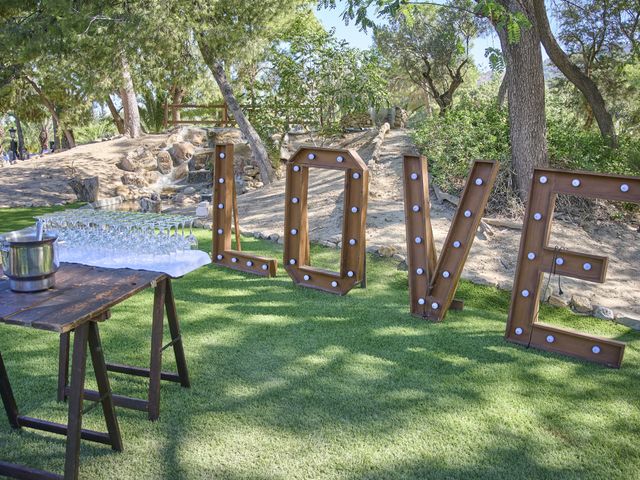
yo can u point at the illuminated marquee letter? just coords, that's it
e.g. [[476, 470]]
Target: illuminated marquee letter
[[433, 280], [296, 234], [536, 258], [224, 202]]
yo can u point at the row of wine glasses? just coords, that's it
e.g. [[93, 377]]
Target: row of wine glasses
[[106, 233]]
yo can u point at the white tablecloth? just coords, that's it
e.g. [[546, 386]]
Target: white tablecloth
[[174, 265]]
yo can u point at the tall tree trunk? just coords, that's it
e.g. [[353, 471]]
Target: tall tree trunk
[[129, 101], [71, 143], [582, 82], [526, 99], [258, 149], [177, 94], [21, 148], [502, 91], [117, 119], [56, 134]]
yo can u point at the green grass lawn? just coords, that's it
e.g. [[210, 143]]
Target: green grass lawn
[[290, 383]]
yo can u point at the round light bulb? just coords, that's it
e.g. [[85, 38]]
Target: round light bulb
[[222, 155], [559, 261], [575, 182], [624, 188], [414, 176], [221, 180], [220, 231], [586, 266], [219, 257], [456, 244], [234, 260], [543, 179], [525, 293], [421, 301], [296, 168], [311, 156], [446, 274], [518, 331], [419, 271], [352, 241], [467, 213], [339, 159], [265, 267], [249, 263], [434, 305], [334, 284], [415, 208], [356, 175], [221, 206], [306, 278], [537, 216], [295, 200], [531, 256], [479, 181], [294, 231], [418, 240], [595, 349], [551, 339], [354, 209], [350, 274], [292, 261]]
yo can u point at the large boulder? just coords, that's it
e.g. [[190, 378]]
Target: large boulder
[[126, 164], [135, 179], [86, 189], [180, 172], [195, 136], [181, 152], [164, 162]]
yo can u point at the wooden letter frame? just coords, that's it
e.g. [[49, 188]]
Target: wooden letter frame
[[296, 225], [224, 202], [536, 258], [433, 280]]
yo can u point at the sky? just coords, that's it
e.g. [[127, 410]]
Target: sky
[[331, 18]]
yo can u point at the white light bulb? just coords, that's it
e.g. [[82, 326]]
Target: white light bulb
[[479, 181], [249, 263], [586, 266], [219, 257], [518, 331], [525, 293], [559, 261], [294, 231], [296, 168], [295, 200], [543, 179], [339, 159], [537, 216], [595, 349], [221, 180], [221, 206], [354, 209], [306, 278], [446, 274], [531, 256], [350, 274], [265, 267], [352, 241], [419, 271], [234, 260], [414, 176], [435, 305], [418, 240], [551, 339], [624, 188], [356, 176], [292, 261], [467, 213], [311, 156], [575, 182], [415, 208], [421, 301], [456, 244], [222, 155], [220, 231], [334, 284]]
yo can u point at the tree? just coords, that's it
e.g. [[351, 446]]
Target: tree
[[431, 45]]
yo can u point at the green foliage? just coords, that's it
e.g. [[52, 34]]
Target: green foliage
[[152, 113], [95, 130]]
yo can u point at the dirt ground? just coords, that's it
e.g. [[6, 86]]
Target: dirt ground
[[43, 181]]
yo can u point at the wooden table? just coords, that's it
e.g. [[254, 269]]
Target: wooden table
[[83, 296], [163, 300]]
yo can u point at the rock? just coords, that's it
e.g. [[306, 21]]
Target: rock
[[189, 191], [152, 176], [135, 179], [179, 198], [203, 210], [258, 184], [274, 237], [401, 118], [86, 189], [400, 258], [122, 191], [387, 251], [126, 165], [164, 162], [149, 205], [251, 170], [581, 304], [603, 313], [195, 136], [200, 176], [356, 120], [181, 152], [558, 301], [402, 266], [180, 172]]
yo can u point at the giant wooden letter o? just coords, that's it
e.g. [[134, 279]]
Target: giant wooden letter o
[[296, 234]]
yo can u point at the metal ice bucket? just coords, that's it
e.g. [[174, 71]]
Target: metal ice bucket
[[29, 263]]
